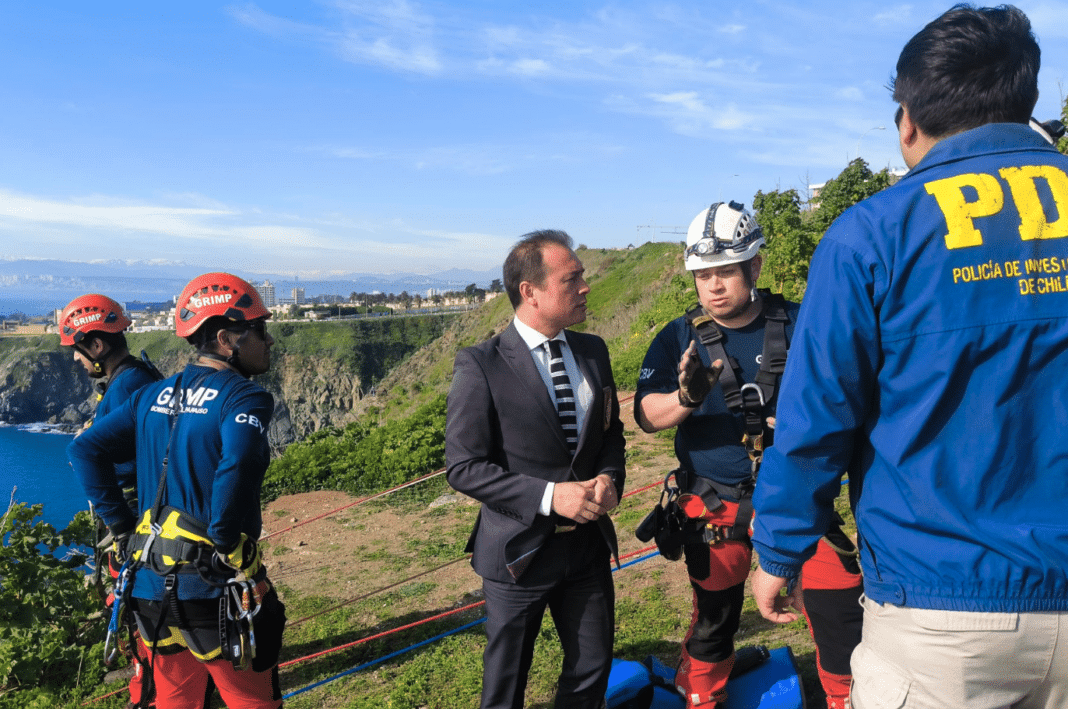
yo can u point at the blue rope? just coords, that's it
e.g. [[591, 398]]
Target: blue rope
[[384, 658], [425, 642]]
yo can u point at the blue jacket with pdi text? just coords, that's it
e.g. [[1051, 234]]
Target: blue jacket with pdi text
[[929, 362]]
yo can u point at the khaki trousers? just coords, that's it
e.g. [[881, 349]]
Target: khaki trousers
[[912, 658]]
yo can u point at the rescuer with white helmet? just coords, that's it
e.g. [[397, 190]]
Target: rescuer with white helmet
[[713, 375], [722, 251], [722, 234]]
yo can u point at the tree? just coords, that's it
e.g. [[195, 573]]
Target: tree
[[495, 286], [474, 293], [790, 242], [852, 185], [1062, 144]]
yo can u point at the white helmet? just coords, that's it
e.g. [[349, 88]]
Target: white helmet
[[722, 234], [1052, 130]]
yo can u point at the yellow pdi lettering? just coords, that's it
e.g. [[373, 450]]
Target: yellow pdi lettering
[[1034, 223], [959, 212]]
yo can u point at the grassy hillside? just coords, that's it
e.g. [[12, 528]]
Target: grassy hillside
[[633, 293], [363, 574]]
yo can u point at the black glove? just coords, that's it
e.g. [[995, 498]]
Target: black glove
[[694, 389]]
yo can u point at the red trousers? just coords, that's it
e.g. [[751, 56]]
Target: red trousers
[[717, 576], [181, 681]]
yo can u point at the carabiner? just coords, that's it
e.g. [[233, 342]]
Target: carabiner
[[757, 389]]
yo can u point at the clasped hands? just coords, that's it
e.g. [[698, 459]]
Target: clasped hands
[[585, 500]]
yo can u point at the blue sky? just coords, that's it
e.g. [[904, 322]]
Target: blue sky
[[403, 136]]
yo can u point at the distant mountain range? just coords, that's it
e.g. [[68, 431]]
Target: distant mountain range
[[36, 287]]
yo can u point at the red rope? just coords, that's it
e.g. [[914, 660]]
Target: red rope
[[357, 502], [417, 623], [103, 696], [371, 593], [369, 638]]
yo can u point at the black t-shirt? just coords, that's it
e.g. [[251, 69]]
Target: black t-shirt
[[709, 441]]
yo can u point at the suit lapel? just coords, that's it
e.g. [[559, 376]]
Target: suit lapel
[[593, 417], [518, 356]]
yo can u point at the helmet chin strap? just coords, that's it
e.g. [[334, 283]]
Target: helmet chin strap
[[98, 367], [233, 360]]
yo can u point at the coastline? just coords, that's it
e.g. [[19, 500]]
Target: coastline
[[66, 429]]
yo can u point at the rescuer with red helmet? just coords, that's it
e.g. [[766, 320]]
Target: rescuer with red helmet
[[195, 583], [92, 325]]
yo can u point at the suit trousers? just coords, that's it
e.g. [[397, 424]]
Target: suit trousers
[[572, 577]]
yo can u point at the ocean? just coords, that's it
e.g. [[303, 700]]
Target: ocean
[[35, 462]]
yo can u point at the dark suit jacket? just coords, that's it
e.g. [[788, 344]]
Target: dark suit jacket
[[503, 441]]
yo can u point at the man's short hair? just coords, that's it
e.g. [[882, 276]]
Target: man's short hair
[[205, 336], [114, 340], [969, 67], [524, 262]]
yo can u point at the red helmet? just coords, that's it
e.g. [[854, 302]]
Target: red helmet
[[216, 294], [89, 313]]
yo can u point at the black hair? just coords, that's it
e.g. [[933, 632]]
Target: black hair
[[525, 262], [114, 340], [205, 337], [969, 67]]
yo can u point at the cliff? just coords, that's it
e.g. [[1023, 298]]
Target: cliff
[[319, 373]]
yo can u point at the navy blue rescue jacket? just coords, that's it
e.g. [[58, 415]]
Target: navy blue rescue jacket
[[217, 458]]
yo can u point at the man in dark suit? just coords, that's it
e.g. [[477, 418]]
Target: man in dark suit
[[543, 537]]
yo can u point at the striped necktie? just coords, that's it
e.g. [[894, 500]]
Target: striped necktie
[[565, 397]]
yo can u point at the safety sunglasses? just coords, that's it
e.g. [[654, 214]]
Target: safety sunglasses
[[257, 326]]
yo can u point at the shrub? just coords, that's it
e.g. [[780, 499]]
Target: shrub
[[362, 457], [49, 616]]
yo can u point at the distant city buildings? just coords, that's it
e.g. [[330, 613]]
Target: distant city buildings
[[266, 291], [148, 316]]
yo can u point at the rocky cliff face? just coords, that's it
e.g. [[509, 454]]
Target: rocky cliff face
[[44, 386], [48, 386]]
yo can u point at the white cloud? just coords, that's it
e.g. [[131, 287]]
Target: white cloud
[[690, 115], [531, 67], [899, 15], [91, 213], [119, 220], [392, 34], [849, 93]]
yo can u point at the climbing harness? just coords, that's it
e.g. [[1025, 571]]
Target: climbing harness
[[750, 399]]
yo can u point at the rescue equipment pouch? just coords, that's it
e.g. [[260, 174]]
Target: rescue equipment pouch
[[667, 523], [251, 621]]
